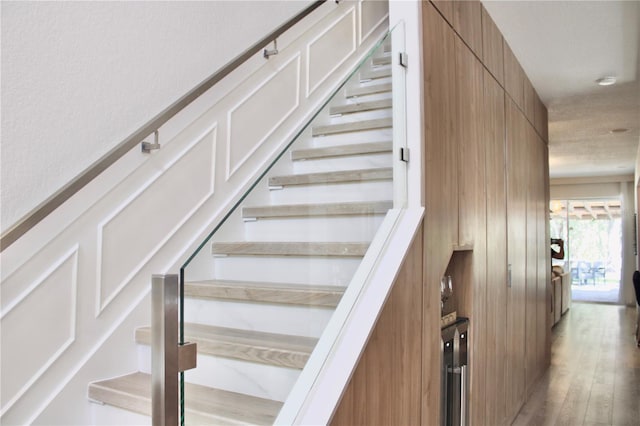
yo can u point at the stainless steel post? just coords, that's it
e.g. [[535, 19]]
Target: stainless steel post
[[164, 350]]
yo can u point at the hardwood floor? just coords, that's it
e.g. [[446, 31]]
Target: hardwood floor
[[594, 377]]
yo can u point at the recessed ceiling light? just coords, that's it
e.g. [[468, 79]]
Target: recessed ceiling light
[[620, 130], [606, 81]]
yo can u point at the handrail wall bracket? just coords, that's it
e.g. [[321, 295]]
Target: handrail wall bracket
[[270, 52], [147, 147]]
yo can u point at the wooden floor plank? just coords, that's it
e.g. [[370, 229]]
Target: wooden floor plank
[[594, 378]]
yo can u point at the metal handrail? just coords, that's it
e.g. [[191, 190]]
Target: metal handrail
[[45, 208]]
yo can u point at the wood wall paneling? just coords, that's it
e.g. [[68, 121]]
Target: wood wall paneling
[[441, 227], [385, 388], [529, 100], [541, 118], [468, 137], [441, 152], [486, 189], [467, 21], [531, 246], [516, 255], [446, 9], [513, 77], [472, 214], [496, 310], [492, 48]]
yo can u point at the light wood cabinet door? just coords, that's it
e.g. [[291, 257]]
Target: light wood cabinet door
[[472, 216], [467, 21], [492, 47], [441, 185], [468, 137], [441, 154], [496, 298], [517, 162], [513, 77], [445, 7]]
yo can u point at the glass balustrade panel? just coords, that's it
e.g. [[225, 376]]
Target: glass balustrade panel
[[259, 291]]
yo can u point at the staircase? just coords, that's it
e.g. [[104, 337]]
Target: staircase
[[258, 297]]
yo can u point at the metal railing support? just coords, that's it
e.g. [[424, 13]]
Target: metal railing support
[[164, 350], [168, 356]]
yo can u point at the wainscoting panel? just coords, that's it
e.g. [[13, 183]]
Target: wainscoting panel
[[251, 121], [372, 14], [330, 49], [38, 327], [152, 216]]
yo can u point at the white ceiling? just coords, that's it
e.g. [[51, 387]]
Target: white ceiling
[[564, 46]]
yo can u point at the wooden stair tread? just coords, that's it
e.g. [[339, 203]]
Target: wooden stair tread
[[325, 209], [278, 248], [343, 176], [355, 126], [368, 89], [361, 106], [203, 405], [296, 294], [248, 345]]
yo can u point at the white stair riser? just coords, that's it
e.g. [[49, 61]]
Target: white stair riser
[[366, 83], [360, 116], [325, 116], [327, 193], [375, 73], [264, 381], [108, 415], [351, 162], [316, 229], [312, 270], [353, 137], [369, 88], [272, 318]]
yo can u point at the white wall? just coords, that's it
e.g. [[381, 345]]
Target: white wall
[[79, 77]]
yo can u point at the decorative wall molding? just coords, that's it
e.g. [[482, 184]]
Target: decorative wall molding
[[154, 214], [371, 15], [25, 357], [321, 64], [266, 107]]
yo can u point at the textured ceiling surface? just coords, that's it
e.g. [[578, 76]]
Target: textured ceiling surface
[[564, 46]]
